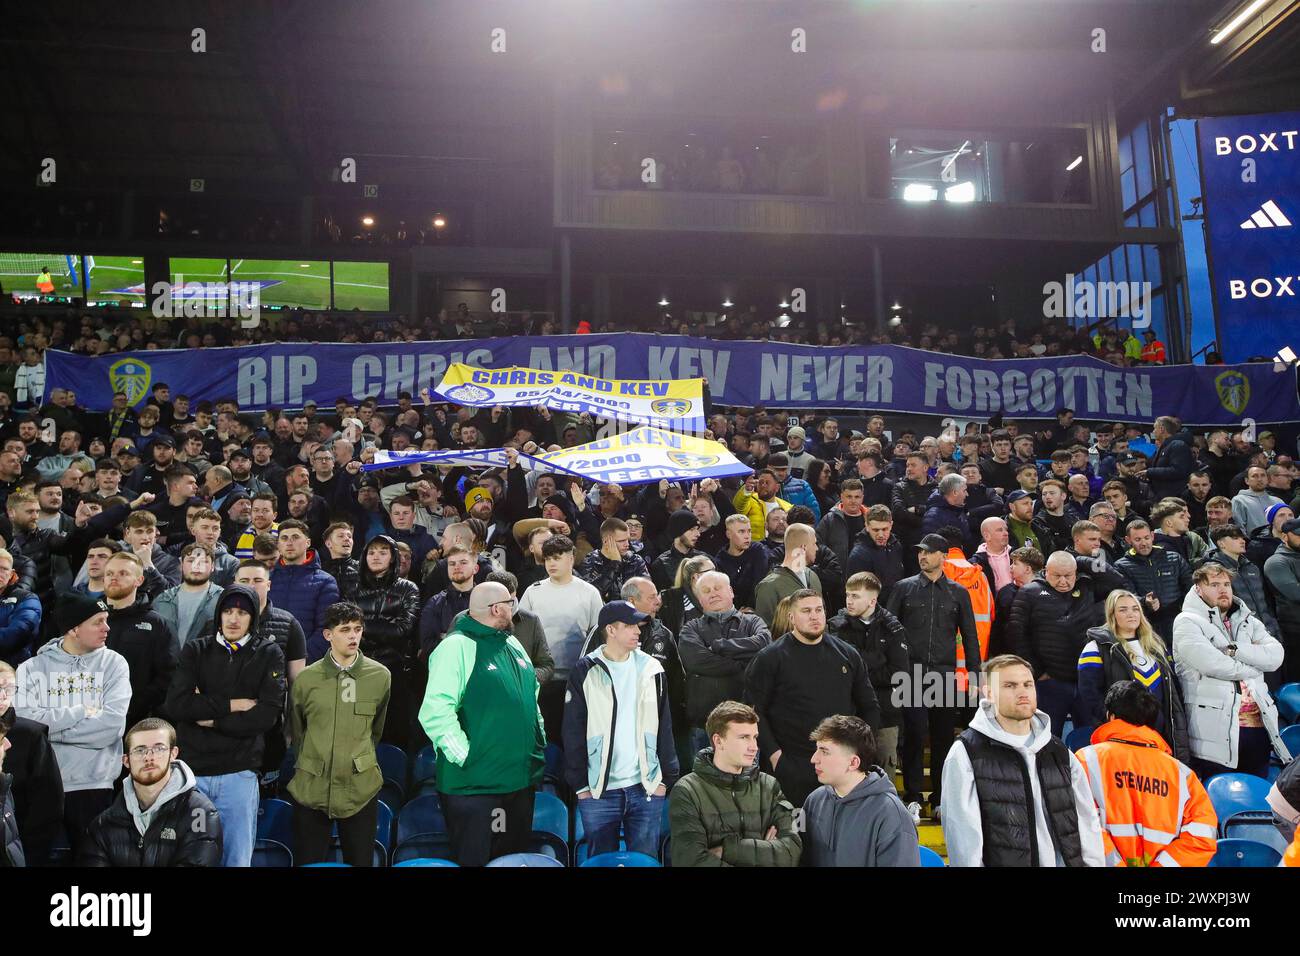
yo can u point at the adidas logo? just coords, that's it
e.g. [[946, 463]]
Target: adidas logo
[[1266, 216], [491, 667]]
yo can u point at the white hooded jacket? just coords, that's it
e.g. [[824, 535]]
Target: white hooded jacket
[[963, 831], [1211, 680]]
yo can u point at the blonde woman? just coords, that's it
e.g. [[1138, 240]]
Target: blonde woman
[[1126, 648], [781, 617], [680, 602]]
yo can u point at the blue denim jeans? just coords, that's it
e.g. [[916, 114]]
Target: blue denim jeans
[[235, 795], [638, 814]]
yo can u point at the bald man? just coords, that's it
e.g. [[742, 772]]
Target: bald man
[[480, 712], [994, 555], [1049, 625]]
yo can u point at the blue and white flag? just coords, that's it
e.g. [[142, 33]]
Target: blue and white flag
[[678, 404], [638, 457]]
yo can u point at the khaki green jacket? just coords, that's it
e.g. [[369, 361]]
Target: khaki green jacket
[[337, 719]]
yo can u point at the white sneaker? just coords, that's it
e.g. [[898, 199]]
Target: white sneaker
[[914, 809]]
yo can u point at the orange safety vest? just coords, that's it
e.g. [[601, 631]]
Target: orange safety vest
[[1292, 855], [1154, 811], [971, 577], [45, 283], [1155, 352]]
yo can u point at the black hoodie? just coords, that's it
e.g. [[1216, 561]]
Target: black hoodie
[[146, 641], [208, 677]]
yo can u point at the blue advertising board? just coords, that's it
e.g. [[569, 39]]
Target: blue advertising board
[[1250, 178]]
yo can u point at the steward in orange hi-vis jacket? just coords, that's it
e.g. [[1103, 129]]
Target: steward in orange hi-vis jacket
[[1154, 811]]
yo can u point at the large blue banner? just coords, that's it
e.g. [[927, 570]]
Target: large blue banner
[[1250, 174], [877, 378]]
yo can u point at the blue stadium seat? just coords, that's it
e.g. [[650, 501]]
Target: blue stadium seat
[[1079, 738], [384, 827], [526, 859], [391, 794], [424, 771], [275, 821], [554, 770], [421, 830], [621, 858], [426, 861], [421, 815], [286, 771], [1256, 826], [1291, 739], [392, 764], [930, 858], [1244, 853], [551, 815], [270, 854], [1233, 792], [422, 846], [1288, 702]]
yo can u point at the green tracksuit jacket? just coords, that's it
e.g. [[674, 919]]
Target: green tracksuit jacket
[[480, 711]]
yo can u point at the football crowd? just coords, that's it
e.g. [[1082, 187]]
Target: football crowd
[[202, 607]]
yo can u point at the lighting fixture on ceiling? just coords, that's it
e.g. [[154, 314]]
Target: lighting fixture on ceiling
[[962, 192], [726, 303], [1237, 21], [367, 220], [1074, 165], [920, 192], [663, 300]]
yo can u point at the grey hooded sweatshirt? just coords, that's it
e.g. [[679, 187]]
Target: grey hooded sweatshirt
[[868, 827], [963, 831], [181, 780], [55, 687]]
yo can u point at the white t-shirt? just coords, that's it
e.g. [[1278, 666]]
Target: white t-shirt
[[568, 613], [624, 766]]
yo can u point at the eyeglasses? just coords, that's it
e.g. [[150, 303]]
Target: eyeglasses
[[512, 602], [157, 750]]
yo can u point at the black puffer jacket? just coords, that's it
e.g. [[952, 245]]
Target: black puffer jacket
[[42, 544], [255, 672], [1172, 465], [1164, 572], [1049, 628], [391, 606], [608, 576], [885, 563], [146, 641], [715, 652], [11, 846], [908, 505], [184, 831], [346, 571], [933, 613], [883, 646]]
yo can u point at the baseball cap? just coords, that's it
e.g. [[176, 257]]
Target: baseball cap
[[163, 438], [128, 450], [1017, 495], [933, 542], [620, 612], [1292, 526], [240, 453]]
